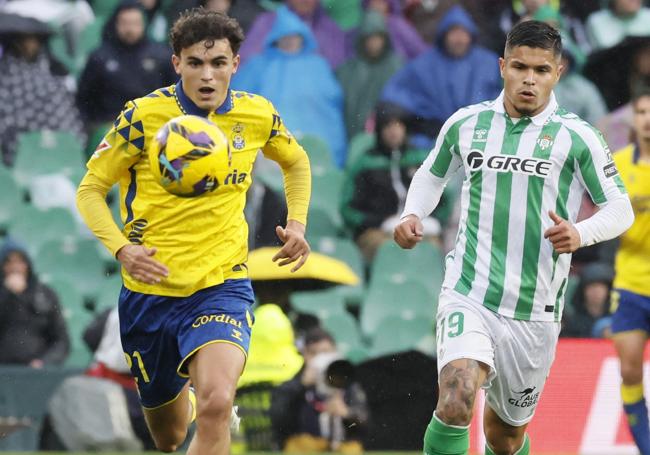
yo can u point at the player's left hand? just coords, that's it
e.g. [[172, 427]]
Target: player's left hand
[[564, 236], [295, 246]]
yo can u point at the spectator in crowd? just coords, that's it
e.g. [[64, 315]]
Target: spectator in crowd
[[621, 18], [578, 94], [321, 408], [126, 65], [364, 76], [32, 329], [405, 39], [375, 190], [591, 302], [330, 38], [454, 73], [33, 93], [298, 81]]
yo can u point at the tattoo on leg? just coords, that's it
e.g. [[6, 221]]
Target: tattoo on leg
[[458, 386]]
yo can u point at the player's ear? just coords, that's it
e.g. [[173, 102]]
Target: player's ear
[[176, 61], [235, 63], [502, 65]]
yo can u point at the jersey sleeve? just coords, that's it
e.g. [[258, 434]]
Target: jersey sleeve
[[596, 168], [283, 148], [121, 148]]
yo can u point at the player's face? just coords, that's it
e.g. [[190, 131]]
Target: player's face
[[205, 69], [529, 75], [642, 119]]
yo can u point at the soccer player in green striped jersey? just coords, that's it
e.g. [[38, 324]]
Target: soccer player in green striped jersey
[[526, 164]]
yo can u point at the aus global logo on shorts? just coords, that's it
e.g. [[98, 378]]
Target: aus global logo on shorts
[[524, 398], [217, 318]]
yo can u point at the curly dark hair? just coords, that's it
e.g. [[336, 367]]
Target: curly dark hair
[[198, 24]]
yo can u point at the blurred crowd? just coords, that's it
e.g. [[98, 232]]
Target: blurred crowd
[[364, 84]]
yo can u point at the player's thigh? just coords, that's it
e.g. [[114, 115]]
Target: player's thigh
[[214, 372], [523, 357]]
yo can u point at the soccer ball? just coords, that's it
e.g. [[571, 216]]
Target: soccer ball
[[189, 156]]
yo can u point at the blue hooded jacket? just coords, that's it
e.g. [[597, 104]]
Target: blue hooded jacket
[[301, 85], [435, 85]]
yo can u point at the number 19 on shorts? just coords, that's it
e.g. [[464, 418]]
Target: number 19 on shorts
[[452, 326]]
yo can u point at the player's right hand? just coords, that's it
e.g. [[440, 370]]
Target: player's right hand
[[139, 263], [408, 232]]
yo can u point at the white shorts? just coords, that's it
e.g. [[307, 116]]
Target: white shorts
[[519, 353]]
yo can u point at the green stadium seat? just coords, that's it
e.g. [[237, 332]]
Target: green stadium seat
[[33, 227], [77, 320], [108, 293], [326, 194], [406, 301], [70, 299], [321, 304], [398, 335], [345, 330], [358, 145], [345, 250], [47, 152], [424, 263], [76, 260], [11, 197], [320, 156], [321, 224]]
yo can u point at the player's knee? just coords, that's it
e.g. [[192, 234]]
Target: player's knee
[[213, 405], [504, 445], [454, 412], [170, 440], [632, 372]]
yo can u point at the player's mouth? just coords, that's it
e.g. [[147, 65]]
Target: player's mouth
[[206, 92], [527, 95]]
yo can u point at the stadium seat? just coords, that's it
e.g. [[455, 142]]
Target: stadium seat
[[321, 304], [425, 264], [321, 224], [320, 156], [70, 299], [398, 335], [77, 260], [345, 331], [11, 197], [408, 301], [47, 152], [345, 250], [33, 227], [77, 320], [326, 194], [108, 293], [358, 145]]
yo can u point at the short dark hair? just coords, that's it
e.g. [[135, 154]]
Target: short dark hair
[[318, 334], [198, 24], [639, 91], [535, 34]]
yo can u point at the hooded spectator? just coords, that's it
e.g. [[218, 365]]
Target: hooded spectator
[[126, 66], [456, 72], [33, 92], [364, 76], [405, 39], [298, 81], [328, 35], [32, 329]]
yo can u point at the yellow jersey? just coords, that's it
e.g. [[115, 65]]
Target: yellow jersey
[[633, 256], [201, 240]]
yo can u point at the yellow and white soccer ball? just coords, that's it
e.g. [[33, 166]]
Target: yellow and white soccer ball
[[189, 156]]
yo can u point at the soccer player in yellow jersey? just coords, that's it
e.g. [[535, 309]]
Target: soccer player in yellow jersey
[[185, 305], [631, 294]]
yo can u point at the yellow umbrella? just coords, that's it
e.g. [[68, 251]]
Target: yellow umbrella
[[318, 267]]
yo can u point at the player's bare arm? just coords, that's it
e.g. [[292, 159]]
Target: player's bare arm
[[295, 246], [564, 236], [408, 232], [139, 263]]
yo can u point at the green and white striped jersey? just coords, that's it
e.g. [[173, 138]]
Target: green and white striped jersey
[[515, 171]]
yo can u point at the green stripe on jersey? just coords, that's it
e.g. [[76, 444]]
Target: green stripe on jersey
[[533, 229], [468, 272], [441, 164], [501, 217], [587, 168]]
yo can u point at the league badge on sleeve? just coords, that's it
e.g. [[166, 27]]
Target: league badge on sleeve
[[103, 145]]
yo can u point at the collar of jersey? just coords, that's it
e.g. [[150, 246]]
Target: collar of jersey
[[188, 106], [540, 119]]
